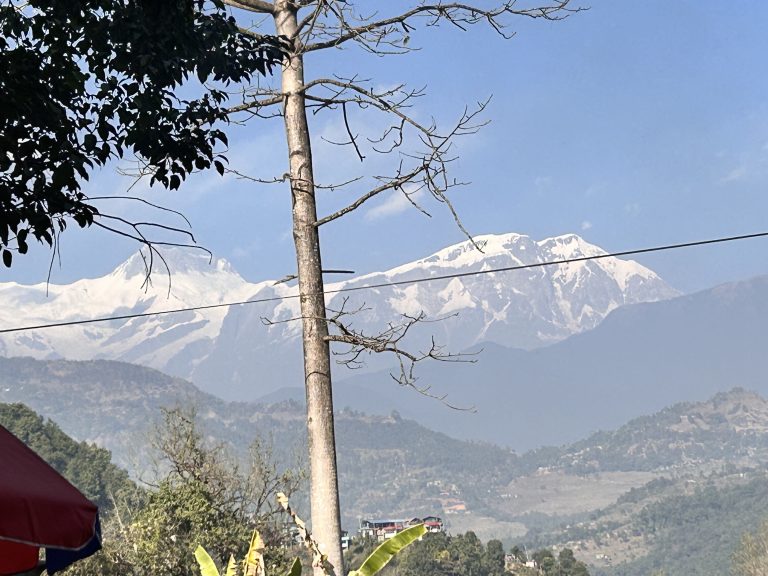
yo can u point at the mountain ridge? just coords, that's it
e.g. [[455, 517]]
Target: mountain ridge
[[417, 469], [641, 358], [222, 349]]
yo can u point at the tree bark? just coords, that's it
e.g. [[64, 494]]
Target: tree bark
[[324, 501]]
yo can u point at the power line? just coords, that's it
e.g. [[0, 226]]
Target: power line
[[396, 283]]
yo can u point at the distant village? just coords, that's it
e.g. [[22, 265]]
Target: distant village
[[381, 529], [387, 528]]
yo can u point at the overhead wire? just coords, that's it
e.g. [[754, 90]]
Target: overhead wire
[[379, 285]]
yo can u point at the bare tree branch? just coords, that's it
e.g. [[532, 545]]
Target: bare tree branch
[[390, 185], [352, 138], [394, 31], [429, 172], [423, 154], [366, 97], [143, 201], [389, 341], [261, 6], [135, 233], [257, 104]]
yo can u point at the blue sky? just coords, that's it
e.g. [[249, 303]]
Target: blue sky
[[632, 124]]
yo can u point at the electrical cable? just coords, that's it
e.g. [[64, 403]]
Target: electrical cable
[[395, 283]]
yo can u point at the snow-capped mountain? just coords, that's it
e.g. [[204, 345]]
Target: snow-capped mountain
[[245, 351]]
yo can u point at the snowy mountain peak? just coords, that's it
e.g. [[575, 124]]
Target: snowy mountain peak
[[179, 261], [504, 250], [224, 348], [183, 276], [568, 246]]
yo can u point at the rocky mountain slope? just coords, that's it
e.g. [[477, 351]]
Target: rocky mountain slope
[[242, 352]]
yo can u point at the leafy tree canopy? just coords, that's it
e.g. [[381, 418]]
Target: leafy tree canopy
[[203, 497], [84, 81]]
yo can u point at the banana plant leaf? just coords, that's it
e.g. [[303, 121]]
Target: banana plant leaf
[[207, 565], [384, 553]]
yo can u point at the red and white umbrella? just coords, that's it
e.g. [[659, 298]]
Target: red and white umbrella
[[39, 508]]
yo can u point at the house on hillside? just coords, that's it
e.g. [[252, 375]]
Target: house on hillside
[[433, 523], [382, 529], [456, 507], [514, 565]]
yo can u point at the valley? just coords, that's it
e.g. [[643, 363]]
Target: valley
[[598, 409], [615, 497]]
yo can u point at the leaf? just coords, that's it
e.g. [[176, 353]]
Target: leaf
[[295, 568], [89, 140], [384, 553], [63, 176], [319, 560], [207, 566], [254, 559], [231, 567], [7, 258], [21, 240]]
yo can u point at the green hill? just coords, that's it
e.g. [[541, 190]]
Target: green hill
[[674, 489], [710, 459], [85, 465], [388, 466], [731, 427]]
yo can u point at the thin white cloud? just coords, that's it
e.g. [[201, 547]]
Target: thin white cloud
[[586, 225], [395, 203], [738, 173], [239, 252], [595, 190]]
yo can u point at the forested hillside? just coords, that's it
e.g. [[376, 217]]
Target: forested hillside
[[86, 465], [388, 465], [643, 496], [688, 527], [731, 427]]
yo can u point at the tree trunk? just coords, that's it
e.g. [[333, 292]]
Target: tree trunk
[[324, 493]]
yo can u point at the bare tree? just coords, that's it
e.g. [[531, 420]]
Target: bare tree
[[421, 154]]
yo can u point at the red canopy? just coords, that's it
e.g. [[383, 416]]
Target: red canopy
[[39, 508]]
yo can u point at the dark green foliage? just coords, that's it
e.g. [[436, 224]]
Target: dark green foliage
[[567, 565], [87, 466], [359, 550], [193, 514], [430, 556], [204, 498], [545, 560], [562, 564], [83, 81], [464, 555], [493, 558], [651, 488]]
